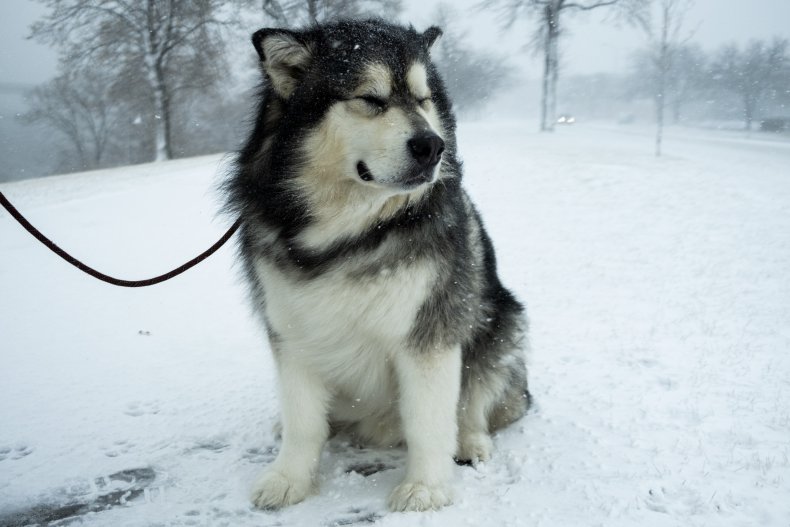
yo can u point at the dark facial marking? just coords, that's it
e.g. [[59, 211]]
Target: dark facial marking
[[364, 172]]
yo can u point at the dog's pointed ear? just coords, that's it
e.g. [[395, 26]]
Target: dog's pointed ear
[[285, 56], [430, 36]]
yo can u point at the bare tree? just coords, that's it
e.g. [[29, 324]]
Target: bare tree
[[686, 80], [79, 105], [471, 75], [170, 45], [663, 25], [289, 13], [761, 69], [546, 39]]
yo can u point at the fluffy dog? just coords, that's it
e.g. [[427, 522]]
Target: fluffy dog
[[368, 263]]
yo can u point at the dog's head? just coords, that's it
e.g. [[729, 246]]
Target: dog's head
[[357, 102]]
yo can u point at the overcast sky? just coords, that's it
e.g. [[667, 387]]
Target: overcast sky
[[592, 43], [596, 46], [22, 61]]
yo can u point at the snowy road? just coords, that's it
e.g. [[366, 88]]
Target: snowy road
[[659, 297]]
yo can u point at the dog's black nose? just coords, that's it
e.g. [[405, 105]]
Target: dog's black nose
[[426, 148]]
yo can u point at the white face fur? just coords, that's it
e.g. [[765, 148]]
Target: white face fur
[[360, 129]]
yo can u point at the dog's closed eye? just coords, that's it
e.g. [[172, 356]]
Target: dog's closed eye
[[375, 103]]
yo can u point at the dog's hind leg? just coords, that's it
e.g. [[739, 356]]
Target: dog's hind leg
[[474, 440], [429, 385], [304, 400], [493, 395]]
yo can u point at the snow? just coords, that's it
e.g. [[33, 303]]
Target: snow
[[659, 298]]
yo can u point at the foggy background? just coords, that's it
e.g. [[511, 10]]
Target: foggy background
[[601, 78]]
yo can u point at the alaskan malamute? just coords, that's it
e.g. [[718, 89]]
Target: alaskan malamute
[[368, 263]]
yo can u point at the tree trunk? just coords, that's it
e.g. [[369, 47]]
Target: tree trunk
[[154, 62], [548, 105], [663, 71], [81, 154], [161, 122], [97, 153], [544, 102], [661, 95], [555, 68], [748, 113], [659, 118]]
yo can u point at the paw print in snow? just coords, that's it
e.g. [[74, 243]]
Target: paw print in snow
[[138, 408], [117, 448], [17, 452], [260, 455], [680, 501]]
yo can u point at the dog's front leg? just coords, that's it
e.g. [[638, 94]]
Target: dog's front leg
[[304, 398], [429, 384]]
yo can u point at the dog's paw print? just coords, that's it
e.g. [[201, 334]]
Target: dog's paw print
[[259, 455], [193, 517], [15, 452], [368, 469], [209, 445], [117, 448], [140, 408], [675, 501], [354, 517]]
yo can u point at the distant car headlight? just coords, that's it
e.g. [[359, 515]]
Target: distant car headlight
[[566, 119]]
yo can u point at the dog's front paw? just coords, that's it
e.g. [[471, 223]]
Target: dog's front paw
[[416, 496], [274, 490], [475, 448]]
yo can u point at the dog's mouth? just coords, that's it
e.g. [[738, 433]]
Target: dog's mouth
[[417, 178], [410, 180], [364, 172]]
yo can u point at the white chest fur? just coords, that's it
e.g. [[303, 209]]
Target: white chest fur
[[346, 326]]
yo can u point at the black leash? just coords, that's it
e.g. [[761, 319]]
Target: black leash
[[106, 278]]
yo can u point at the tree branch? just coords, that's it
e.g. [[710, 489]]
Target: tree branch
[[587, 7]]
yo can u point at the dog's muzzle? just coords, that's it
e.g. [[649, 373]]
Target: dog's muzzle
[[426, 150]]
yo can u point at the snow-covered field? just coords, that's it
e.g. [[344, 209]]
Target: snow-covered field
[[659, 296]]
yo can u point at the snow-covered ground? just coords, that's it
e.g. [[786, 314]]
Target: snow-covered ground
[[659, 296]]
